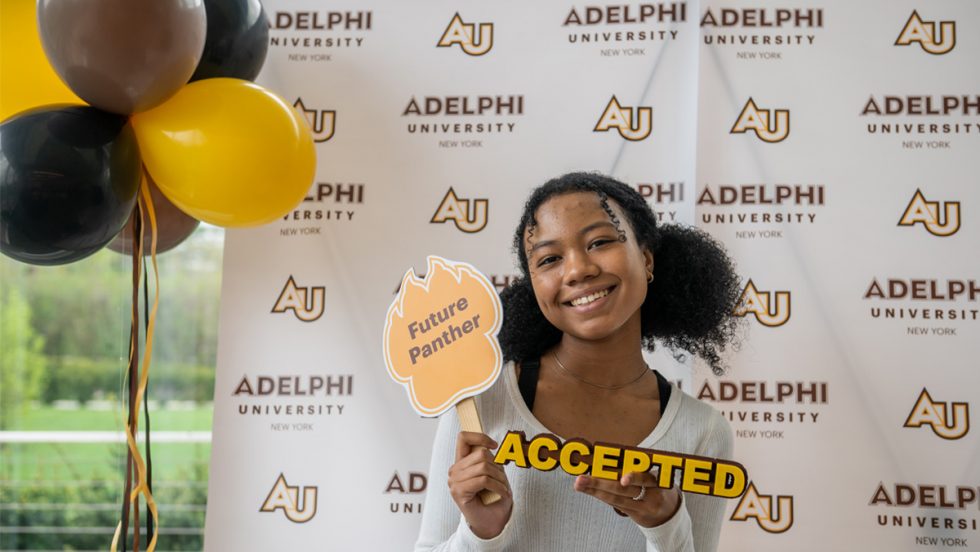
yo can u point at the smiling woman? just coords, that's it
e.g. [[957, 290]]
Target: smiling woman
[[600, 282], [692, 291], [588, 273]]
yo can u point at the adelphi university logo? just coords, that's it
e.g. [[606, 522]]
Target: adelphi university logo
[[286, 497], [770, 308], [949, 422], [469, 215], [935, 39], [920, 210], [322, 122], [772, 516], [408, 487], [475, 39], [622, 118], [305, 302], [770, 125]]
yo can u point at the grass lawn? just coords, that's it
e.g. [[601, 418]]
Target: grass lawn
[[97, 461], [68, 462], [48, 418]]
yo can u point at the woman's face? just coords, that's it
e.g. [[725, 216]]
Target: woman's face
[[588, 283]]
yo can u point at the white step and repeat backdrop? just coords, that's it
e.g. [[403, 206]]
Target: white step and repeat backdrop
[[832, 146]]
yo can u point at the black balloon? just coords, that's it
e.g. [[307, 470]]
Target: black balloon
[[68, 182], [237, 40]]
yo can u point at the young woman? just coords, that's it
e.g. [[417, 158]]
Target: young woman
[[601, 281]]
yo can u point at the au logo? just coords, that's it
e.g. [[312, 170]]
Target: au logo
[[925, 34], [934, 414], [621, 118], [767, 311], [761, 508], [322, 122], [469, 215], [287, 498], [770, 125], [466, 35], [305, 302], [927, 212]]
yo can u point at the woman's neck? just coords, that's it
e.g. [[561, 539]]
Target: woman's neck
[[609, 361]]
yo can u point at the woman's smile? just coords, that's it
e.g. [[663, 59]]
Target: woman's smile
[[590, 299]]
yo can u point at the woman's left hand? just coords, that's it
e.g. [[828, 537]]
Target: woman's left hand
[[654, 506]]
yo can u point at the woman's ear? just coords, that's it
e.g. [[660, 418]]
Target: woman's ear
[[648, 260]]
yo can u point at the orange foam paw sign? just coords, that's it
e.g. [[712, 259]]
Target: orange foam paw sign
[[440, 337]]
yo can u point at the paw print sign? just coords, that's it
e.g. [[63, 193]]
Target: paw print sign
[[440, 336]]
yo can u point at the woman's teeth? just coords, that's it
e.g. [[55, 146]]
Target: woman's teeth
[[588, 299]]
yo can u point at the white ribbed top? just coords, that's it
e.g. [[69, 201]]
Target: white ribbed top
[[548, 513]]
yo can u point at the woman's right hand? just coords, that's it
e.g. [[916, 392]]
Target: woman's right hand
[[474, 471]]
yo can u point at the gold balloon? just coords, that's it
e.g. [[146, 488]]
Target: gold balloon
[[228, 152], [26, 78]]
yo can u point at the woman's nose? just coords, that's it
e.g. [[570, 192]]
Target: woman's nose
[[580, 267]]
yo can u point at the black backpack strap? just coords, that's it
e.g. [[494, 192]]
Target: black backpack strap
[[663, 387], [528, 381]]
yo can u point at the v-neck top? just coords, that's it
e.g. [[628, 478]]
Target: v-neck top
[[668, 409], [527, 383]]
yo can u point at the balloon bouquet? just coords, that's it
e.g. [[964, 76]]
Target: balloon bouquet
[[173, 133], [221, 149]]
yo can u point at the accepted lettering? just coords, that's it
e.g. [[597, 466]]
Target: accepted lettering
[[695, 474]]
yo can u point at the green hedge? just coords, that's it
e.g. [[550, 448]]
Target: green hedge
[[85, 506], [82, 379]]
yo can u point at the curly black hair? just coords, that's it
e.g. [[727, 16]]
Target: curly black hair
[[689, 306]]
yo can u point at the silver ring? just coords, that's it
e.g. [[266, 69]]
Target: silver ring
[[643, 493]]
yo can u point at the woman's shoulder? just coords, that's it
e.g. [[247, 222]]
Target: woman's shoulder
[[496, 405], [709, 430], [497, 392], [692, 407]]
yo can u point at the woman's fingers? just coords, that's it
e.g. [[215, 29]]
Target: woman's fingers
[[474, 469], [476, 456], [640, 479], [586, 484], [470, 479], [636, 495], [466, 490], [469, 439], [610, 492], [627, 486], [474, 466]]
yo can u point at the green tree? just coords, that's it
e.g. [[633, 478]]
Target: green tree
[[21, 361], [82, 308], [82, 312]]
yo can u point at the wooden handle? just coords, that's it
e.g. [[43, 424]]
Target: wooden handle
[[469, 420]]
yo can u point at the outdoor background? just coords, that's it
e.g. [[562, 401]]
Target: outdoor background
[[63, 351]]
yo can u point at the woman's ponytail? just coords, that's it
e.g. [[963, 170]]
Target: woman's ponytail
[[693, 295]]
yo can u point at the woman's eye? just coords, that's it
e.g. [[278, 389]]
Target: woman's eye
[[547, 260], [600, 242]]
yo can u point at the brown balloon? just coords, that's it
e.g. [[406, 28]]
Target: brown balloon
[[123, 56], [173, 225]]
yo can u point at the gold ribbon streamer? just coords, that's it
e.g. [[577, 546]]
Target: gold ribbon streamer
[[142, 487]]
